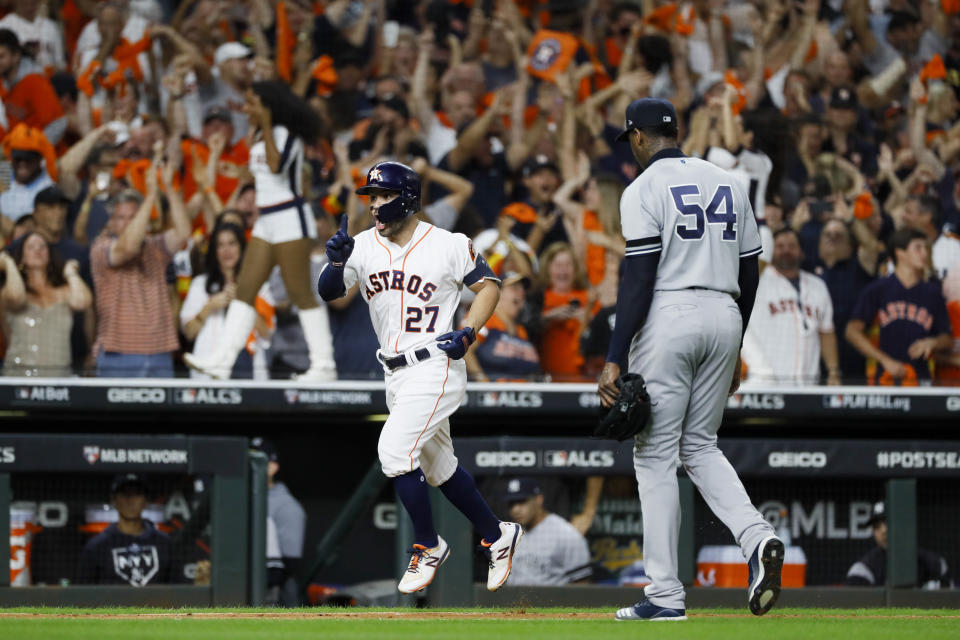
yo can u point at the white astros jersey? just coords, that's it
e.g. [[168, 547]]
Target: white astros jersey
[[698, 216], [413, 291], [782, 343]]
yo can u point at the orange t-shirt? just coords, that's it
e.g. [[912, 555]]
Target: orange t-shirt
[[495, 323], [596, 259], [32, 101], [946, 375], [560, 345], [238, 154]]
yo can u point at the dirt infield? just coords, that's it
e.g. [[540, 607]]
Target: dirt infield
[[420, 614]]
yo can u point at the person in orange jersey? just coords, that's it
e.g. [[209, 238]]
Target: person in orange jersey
[[567, 307], [27, 94]]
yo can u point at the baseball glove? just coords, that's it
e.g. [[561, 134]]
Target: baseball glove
[[629, 414]]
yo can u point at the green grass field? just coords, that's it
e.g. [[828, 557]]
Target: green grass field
[[470, 624]]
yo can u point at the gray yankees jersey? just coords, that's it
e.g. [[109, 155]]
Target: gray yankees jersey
[[552, 553], [698, 216]]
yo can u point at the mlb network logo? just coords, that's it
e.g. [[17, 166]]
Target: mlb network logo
[[91, 454]]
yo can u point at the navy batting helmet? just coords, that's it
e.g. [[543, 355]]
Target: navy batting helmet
[[394, 176]]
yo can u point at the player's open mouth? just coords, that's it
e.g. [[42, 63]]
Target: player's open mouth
[[380, 226]]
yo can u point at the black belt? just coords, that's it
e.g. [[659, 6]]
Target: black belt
[[396, 362], [282, 206]]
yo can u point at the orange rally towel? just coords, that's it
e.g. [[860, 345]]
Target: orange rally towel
[[326, 76], [550, 53], [285, 43], [934, 69], [863, 206]]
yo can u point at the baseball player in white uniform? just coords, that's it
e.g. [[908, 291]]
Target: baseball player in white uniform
[[687, 289], [792, 323], [411, 274]]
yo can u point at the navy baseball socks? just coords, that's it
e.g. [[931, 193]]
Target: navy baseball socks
[[430, 550], [411, 488], [499, 540], [462, 493]]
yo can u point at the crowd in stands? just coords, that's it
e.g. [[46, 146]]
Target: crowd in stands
[[128, 199]]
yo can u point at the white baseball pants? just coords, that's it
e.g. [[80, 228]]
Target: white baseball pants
[[421, 398]]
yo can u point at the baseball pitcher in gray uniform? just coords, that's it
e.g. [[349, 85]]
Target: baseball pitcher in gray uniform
[[686, 292]]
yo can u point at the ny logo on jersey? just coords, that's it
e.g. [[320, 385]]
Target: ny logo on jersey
[[374, 175], [136, 564]]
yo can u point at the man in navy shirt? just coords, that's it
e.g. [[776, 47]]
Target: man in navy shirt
[[131, 551], [911, 314]]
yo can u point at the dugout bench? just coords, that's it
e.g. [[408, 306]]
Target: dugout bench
[[237, 502]]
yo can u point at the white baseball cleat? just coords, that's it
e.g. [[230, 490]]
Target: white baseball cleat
[[423, 566], [500, 554]]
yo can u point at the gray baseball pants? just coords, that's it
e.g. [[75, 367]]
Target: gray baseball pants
[[687, 352]]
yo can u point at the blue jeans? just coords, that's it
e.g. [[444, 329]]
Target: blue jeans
[[134, 365]]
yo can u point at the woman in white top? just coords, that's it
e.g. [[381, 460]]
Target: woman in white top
[[284, 233], [203, 312]]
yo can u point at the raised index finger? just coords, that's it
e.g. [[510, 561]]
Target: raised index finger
[[343, 223]]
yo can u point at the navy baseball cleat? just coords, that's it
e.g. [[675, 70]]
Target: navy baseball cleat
[[646, 610], [765, 565]]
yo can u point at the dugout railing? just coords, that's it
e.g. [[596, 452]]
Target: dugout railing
[[845, 424], [753, 458], [236, 479]]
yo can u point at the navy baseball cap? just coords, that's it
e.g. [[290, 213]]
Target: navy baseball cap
[[265, 446], [648, 112], [128, 481], [878, 514], [521, 489], [218, 112], [51, 195], [843, 98], [536, 162]]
